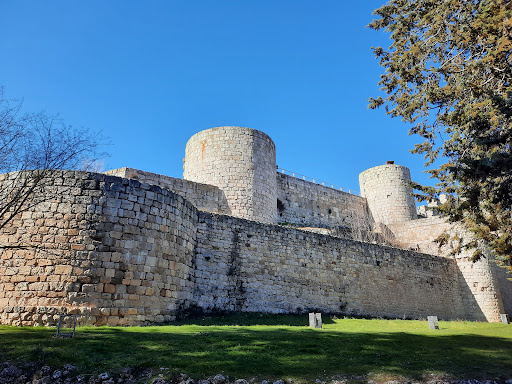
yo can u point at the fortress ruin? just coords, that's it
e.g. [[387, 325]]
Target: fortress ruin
[[129, 247]]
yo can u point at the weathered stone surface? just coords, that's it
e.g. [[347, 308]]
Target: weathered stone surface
[[312, 319], [132, 267], [203, 196], [315, 320], [432, 322], [306, 204], [389, 195], [122, 251], [484, 289], [248, 266], [241, 162]]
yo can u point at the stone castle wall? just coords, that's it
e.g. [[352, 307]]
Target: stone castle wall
[[203, 196], [420, 234], [242, 163], [480, 291], [120, 252], [482, 282], [249, 266], [300, 202], [145, 248], [505, 287], [303, 203], [112, 250]]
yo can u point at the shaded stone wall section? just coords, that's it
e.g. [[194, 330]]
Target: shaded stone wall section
[[504, 281], [480, 291], [484, 287]]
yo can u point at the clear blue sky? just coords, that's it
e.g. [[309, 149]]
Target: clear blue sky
[[150, 74]]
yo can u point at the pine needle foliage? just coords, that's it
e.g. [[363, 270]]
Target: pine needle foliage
[[448, 73]]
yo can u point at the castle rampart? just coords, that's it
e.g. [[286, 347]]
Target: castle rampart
[[306, 204], [484, 280], [123, 251], [256, 267], [203, 196], [115, 251]]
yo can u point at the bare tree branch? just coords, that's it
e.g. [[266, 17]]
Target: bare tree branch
[[31, 146]]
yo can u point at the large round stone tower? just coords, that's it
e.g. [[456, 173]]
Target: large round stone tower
[[241, 162], [387, 191]]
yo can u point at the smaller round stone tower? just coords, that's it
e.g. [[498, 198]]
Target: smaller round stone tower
[[387, 191], [241, 162]]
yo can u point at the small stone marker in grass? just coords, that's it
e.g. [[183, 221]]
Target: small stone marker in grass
[[505, 319], [312, 320], [315, 320], [432, 322], [318, 317]]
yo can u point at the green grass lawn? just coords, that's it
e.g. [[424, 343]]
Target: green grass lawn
[[275, 346]]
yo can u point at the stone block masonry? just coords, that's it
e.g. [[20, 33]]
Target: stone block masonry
[[389, 195], [203, 196], [241, 162], [249, 266], [143, 248], [485, 289], [306, 204], [115, 251]]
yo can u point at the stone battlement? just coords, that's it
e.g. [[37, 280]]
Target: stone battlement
[[130, 247]]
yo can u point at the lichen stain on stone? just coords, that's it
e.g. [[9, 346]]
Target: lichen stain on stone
[[203, 147]]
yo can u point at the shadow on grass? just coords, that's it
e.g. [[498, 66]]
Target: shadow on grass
[[301, 353], [249, 319]]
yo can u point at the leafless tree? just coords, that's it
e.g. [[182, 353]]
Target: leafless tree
[[32, 145]]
